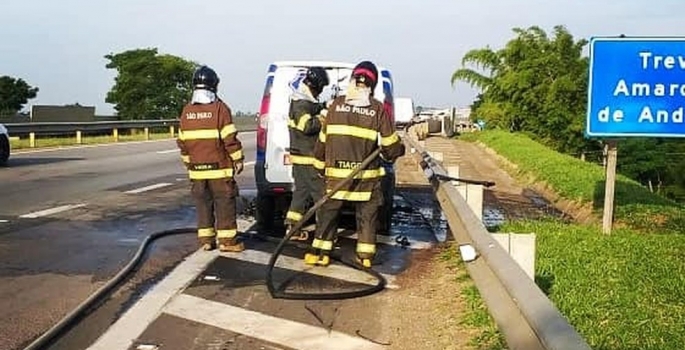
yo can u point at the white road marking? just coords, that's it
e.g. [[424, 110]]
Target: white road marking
[[64, 148], [4, 221], [148, 188], [334, 270], [168, 151], [268, 328], [51, 211], [133, 323]]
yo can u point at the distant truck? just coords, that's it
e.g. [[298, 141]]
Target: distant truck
[[404, 111]]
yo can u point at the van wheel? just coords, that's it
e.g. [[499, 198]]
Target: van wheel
[[4, 150]]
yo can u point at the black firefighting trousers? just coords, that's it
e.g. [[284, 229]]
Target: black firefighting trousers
[[308, 186], [215, 202], [367, 222]]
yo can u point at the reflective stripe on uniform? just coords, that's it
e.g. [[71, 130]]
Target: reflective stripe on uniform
[[387, 141], [351, 196], [226, 233], [301, 124], [319, 164], [369, 248], [302, 160], [206, 232], [237, 155], [293, 215], [322, 244], [210, 174], [364, 174], [206, 134], [322, 137], [349, 130], [185, 159]]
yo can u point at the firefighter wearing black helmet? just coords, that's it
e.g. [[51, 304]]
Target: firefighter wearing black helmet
[[213, 155], [356, 125], [306, 117]]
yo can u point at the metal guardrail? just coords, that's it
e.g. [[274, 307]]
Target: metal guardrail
[[523, 313]]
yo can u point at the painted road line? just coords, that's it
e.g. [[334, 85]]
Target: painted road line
[[340, 272], [4, 221], [51, 211], [413, 244], [124, 332], [148, 188], [66, 148], [133, 323], [168, 151], [272, 329], [249, 163]]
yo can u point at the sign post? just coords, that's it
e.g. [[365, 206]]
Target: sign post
[[636, 89]]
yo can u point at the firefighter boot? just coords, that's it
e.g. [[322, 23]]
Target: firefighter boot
[[317, 257], [207, 243], [301, 235], [231, 245], [364, 260]]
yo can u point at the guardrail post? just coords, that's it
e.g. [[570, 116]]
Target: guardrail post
[[115, 134], [78, 137], [438, 156], [521, 247], [472, 194], [32, 139], [172, 130], [453, 171], [147, 134]]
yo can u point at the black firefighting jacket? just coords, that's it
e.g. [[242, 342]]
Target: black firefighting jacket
[[349, 135], [304, 125], [208, 141]]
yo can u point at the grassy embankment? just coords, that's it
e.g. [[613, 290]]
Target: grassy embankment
[[620, 291], [124, 136]]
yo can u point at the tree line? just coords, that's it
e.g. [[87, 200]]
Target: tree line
[[537, 84]]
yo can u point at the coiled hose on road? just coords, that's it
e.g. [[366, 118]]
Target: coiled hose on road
[[81, 310]]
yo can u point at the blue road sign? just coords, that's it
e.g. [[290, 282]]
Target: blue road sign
[[636, 87]]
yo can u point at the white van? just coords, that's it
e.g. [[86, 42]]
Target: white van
[[273, 171], [4, 145], [404, 111]]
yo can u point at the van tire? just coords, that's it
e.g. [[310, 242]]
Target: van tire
[[4, 150]]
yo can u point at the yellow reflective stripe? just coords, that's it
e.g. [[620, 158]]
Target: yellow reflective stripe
[[352, 131], [366, 248], [185, 159], [200, 134], [387, 141], [321, 244], [227, 130], [303, 122], [364, 174], [226, 233], [351, 196], [322, 137], [237, 155], [210, 174], [293, 215], [301, 160], [205, 232], [319, 164], [291, 124]]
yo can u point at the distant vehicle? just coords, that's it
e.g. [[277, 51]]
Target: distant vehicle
[[404, 111], [273, 171], [4, 145]]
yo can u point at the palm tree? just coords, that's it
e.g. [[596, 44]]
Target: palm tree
[[484, 59]]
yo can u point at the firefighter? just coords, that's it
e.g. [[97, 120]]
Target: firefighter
[[356, 125], [213, 155], [306, 118]]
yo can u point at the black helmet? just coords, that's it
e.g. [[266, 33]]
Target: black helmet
[[205, 78], [316, 78], [366, 73]]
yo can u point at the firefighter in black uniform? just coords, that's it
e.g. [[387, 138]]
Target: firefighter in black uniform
[[213, 155], [306, 118], [356, 125]]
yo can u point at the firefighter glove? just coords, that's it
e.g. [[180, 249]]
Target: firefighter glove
[[238, 167]]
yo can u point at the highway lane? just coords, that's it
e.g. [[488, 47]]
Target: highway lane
[[52, 262], [45, 179]]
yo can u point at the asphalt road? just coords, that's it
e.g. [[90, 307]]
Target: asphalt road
[[71, 218]]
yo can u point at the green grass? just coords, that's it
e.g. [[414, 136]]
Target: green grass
[[70, 140], [620, 291], [635, 206], [477, 316], [623, 291]]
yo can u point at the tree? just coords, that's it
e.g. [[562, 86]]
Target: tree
[[149, 85], [14, 94]]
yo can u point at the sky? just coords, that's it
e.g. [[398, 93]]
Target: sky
[[59, 45]]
